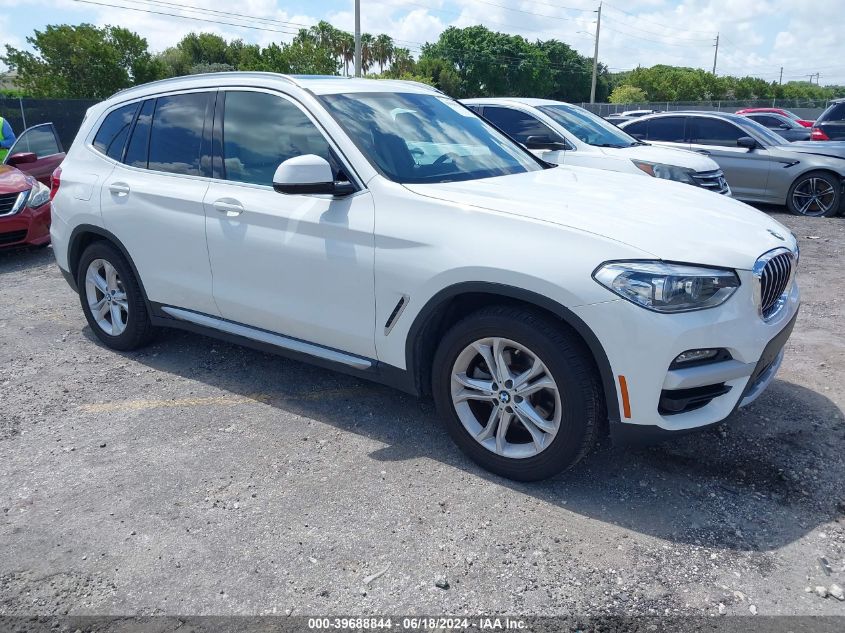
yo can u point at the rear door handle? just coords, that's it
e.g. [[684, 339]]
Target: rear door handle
[[232, 208], [119, 189]]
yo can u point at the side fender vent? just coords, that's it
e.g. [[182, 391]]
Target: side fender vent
[[394, 316]]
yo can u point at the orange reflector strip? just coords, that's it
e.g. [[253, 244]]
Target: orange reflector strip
[[623, 389]]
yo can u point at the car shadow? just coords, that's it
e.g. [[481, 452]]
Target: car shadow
[[755, 484], [17, 258]]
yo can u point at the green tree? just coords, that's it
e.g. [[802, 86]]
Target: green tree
[[627, 94], [382, 51], [82, 61]]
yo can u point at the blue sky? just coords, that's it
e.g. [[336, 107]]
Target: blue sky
[[756, 36]]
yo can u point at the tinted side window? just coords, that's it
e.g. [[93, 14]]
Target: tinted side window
[[139, 142], [518, 125], [111, 137], [260, 131], [768, 121], [475, 108], [836, 112], [176, 136], [716, 132], [669, 129], [638, 129]]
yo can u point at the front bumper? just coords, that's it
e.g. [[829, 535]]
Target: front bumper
[[641, 346], [28, 227]]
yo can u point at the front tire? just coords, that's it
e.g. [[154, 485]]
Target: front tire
[[519, 392], [111, 298], [815, 194]]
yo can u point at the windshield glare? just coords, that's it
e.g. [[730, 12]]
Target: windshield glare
[[424, 138], [588, 127]]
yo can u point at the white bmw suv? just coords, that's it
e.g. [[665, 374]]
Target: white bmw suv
[[382, 229]]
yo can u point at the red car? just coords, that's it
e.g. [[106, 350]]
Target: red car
[[785, 113], [25, 187]]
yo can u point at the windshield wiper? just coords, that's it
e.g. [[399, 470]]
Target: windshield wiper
[[636, 143], [610, 145]]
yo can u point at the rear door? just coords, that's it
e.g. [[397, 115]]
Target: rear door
[[42, 141], [747, 171], [666, 130], [153, 198]]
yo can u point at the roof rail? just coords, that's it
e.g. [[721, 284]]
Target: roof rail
[[229, 73]]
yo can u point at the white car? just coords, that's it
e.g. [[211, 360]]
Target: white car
[[566, 134], [382, 229]]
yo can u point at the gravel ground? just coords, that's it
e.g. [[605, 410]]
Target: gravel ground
[[196, 477]]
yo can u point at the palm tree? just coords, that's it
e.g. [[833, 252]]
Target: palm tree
[[382, 50], [367, 60], [323, 34], [345, 49]]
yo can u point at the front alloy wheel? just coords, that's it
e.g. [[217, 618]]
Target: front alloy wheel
[[506, 398], [518, 391], [816, 194]]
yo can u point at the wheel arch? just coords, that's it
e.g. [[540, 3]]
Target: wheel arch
[[454, 302], [86, 234]]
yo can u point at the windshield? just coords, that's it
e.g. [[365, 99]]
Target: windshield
[[765, 134], [588, 127], [425, 138]]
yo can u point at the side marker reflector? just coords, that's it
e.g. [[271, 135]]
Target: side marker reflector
[[626, 403]]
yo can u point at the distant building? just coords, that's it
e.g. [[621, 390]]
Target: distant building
[[8, 80]]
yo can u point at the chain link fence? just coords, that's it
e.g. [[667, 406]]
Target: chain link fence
[[805, 108], [65, 114]]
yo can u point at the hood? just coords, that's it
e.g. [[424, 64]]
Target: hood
[[666, 220], [13, 180], [665, 155], [834, 149]]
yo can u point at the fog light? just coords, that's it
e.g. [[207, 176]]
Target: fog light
[[693, 357]]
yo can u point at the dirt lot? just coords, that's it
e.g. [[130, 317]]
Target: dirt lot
[[196, 477]]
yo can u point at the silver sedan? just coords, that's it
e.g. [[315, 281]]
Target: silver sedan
[[760, 165]]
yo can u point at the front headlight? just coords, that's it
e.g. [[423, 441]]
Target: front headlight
[[667, 172], [38, 195], [663, 287]]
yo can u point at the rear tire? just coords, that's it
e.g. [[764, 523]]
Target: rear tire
[[815, 194], [111, 298], [544, 392]]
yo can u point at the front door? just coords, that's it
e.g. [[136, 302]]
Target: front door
[[42, 141], [296, 265], [747, 171]]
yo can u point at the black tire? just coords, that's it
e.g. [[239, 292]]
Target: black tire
[[571, 366], [819, 210], [138, 330]]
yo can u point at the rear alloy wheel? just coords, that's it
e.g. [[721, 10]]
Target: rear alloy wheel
[[111, 298], [518, 391], [816, 194]]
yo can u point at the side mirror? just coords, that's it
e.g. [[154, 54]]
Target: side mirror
[[747, 142], [544, 141], [784, 126], [309, 174], [21, 158]]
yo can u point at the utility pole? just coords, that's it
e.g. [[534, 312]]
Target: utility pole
[[780, 81], [716, 54], [357, 38], [596, 57]]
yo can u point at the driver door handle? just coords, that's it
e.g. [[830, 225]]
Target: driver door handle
[[232, 208]]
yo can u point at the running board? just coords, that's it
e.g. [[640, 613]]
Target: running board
[[277, 340]]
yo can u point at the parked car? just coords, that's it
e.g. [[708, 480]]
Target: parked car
[[637, 113], [760, 165], [781, 125], [781, 111], [383, 229], [830, 126], [24, 187], [566, 134], [616, 119]]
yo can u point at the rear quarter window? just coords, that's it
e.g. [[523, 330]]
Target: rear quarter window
[[111, 137], [836, 112]]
